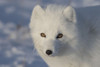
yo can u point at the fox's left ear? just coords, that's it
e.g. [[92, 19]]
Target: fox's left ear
[[38, 12], [70, 14]]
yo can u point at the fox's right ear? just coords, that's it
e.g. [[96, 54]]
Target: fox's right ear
[[70, 14], [37, 12]]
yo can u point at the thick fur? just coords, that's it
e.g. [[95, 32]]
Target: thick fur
[[80, 44]]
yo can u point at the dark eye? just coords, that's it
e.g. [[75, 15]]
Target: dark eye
[[60, 35], [43, 35]]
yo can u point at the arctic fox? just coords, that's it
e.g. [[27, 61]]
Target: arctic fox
[[67, 37]]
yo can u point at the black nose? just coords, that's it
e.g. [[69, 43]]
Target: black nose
[[48, 52]]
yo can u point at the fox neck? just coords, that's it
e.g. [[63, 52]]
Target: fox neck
[[59, 61]]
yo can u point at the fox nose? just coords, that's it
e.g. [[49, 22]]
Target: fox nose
[[48, 52]]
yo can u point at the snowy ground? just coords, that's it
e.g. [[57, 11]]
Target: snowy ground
[[16, 47]]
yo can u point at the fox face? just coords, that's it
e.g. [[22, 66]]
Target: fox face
[[53, 30], [51, 46]]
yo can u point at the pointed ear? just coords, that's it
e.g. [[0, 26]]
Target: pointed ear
[[37, 12], [70, 14]]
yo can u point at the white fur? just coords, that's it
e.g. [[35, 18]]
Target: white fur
[[80, 44]]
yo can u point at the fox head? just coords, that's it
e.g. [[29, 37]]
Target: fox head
[[53, 29]]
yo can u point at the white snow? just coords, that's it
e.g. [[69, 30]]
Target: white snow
[[9, 10]]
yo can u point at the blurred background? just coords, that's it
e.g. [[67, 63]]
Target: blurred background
[[16, 47]]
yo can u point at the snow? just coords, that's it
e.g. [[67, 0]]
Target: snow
[[9, 10], [2, 2], [16, 46]]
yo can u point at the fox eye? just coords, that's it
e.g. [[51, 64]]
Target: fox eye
[[43, 35], [60, 35]]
